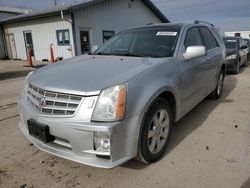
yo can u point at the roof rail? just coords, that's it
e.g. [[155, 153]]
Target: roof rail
[[199, 21]]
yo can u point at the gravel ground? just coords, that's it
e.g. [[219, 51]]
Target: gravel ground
[[209, 147]]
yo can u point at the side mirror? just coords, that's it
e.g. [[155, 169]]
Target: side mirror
[[193, 52], [94, 48]]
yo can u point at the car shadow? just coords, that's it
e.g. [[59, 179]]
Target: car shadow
[[17, 74], [246, 184], [242, 69], [13, 74], [192, 120]]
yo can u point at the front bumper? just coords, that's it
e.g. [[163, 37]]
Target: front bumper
[[74, 138], [231, 64]]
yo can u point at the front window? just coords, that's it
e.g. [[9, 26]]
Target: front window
[[193, 38], [230, 43], [62, 37], [154, 42]]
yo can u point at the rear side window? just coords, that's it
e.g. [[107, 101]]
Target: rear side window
[[193, 38], [209, 39]]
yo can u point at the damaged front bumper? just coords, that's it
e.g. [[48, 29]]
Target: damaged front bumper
[[75, 139]]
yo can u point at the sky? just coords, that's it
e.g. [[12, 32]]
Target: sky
[[226, 14]]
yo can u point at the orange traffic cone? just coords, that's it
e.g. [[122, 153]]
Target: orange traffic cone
[[29, 59], [51, 54]]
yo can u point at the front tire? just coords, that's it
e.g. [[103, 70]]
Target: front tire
[[155, 130]]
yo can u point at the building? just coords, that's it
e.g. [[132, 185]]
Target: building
[[243, 34], [7, 12], [73, 29]]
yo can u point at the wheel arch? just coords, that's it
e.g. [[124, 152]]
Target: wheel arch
[[165, 93]]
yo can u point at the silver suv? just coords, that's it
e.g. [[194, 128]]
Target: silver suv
[[121, 102]]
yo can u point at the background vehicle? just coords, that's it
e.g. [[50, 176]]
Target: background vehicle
[[237, 53], [120, 102], [247, 42]]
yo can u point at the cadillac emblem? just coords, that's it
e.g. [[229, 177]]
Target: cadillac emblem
[[42, 102]]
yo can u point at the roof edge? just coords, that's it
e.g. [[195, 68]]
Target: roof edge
[[14, 10], [27, 17], [156, 11], [68, 9]]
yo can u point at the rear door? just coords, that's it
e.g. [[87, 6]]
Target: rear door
[[212, 60], [193, 82]]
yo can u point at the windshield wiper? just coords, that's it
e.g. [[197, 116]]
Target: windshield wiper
[[134, 55], [128, 54], [100, 53]]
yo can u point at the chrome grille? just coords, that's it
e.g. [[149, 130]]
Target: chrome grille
[[52, 103]]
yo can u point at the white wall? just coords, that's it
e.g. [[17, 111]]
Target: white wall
[[43, 34], [114, 15], [244, 34]]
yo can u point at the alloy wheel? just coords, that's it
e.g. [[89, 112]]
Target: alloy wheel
[[158, 131], [220, 84]]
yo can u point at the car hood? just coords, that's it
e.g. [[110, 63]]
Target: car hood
[[231, 51], [88, 73]]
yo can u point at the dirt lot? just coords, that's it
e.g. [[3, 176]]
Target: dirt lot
[[210, 147]]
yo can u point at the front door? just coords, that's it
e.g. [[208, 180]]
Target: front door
[[85, 42], [28, 42], [194, 87], [12, 46]]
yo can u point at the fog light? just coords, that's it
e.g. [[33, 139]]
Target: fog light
[[102, 141]]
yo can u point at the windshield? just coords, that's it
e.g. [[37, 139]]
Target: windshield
[[230, 43], [145, 42]]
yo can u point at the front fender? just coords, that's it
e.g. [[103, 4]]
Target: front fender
[[143, 90]]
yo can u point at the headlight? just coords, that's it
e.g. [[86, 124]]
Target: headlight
[[234, 56], [111, 104]]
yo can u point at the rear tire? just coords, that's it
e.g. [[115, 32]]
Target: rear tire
[[154, 133], [237, 68], [216, 94], [246, 63]]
